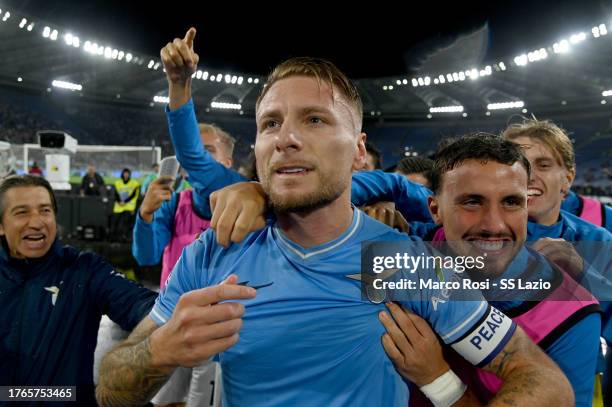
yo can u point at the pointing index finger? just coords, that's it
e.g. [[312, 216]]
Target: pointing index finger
[[189, 37]]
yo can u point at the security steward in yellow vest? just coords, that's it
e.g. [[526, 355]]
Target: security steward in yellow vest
[[126, 197]]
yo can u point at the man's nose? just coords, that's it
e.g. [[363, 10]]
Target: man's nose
[[288, 138]]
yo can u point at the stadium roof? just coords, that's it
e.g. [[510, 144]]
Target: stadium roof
[[463, 57]]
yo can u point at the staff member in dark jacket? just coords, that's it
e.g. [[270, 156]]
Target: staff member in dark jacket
[[52, 296]]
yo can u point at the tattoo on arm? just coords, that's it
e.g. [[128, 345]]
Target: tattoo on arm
[[529, 377], [126, 375]]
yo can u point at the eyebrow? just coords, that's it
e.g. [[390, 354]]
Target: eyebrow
[[463, 197], [302, 111]]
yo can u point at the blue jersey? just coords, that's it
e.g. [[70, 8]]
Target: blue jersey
[[150, 239], [206, 176], [410, 198], [310, 337], [569, 227], [573, 204]]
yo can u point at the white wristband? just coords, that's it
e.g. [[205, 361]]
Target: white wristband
[[446, 390]]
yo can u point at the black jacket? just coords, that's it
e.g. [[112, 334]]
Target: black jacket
[[50, 310]]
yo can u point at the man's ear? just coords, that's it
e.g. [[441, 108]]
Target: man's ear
[[360, 157], [434, 209], [568, 180]]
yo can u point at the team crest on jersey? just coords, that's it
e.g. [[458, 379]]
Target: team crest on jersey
[[54, 293], [375, 296]]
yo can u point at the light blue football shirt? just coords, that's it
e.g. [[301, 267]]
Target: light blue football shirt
[[310, 338]]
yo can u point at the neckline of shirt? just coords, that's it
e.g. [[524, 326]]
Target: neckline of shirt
[[306, 253]]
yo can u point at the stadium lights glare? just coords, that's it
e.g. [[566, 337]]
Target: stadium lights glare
[[577, 38], [205, 75], [446, 109], [151, 63], [128, 57], [7, 15], [46, 32], [221, 105], [53, 35], [161, 99], [505, 105], [415, 82], [228, 78], [240, 80], [606, 93], [561, 47], [30, 27], [20, 79], [23, 23], [256, 81], [67, 85]]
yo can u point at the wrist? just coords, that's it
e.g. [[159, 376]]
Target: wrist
[[444, 391], [146, 215], [179, 93], [159, 358]]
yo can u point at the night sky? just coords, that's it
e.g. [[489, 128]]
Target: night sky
[[364, 41]]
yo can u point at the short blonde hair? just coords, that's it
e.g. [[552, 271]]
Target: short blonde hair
[[548, 133], [321, 70], [228, 141]]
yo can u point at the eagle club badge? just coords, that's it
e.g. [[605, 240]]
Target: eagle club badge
[[54, 292], [375, 296]]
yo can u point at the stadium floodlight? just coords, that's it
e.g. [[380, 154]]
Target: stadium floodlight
[[108, 52], [115, 54], [76, 42], [521, 60], [606, 93], [577, 38], [436, 81], [502, 66], [161, 99], [30, 27], [441, 79], [505, 105], [240, 80], [602, 29], [66, 85], [427, 80], [398, 82], [205, 75], [455, 76], [249, 80], [23, 23], [462, 76], [100, 50], [219, 77], [151, 63], [595, 32], [228, 78], [7, 15], [46, 32], [156, 66], [234, 79], [121, 55], [68, 38], [128, 57], [390, 87], [474, 74], [53, 35], [385, 87], [446, 109], [256, 80], [226, 106], [20, 79], [405, 81], [561, 47], [198, 74], [449, 78]]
